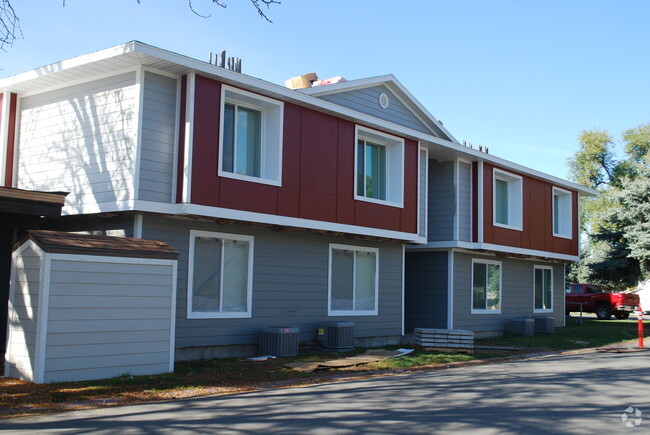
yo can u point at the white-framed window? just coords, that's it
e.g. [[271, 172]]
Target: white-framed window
[[353, 281], [250, 143], [507, 203], [379, 163], [220, 275], [562, 213], [543, 289], [486, 286]]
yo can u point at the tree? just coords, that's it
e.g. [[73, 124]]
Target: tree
[[10, 23], [617, 252]]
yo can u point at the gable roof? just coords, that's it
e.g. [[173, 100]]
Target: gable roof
[[135, 54], [394, 86]]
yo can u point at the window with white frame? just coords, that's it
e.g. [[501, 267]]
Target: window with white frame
[[543, 288], [250, 144], [220, 275], [353, 280], [562, 214], [486, 286], [507, 202], [379, 167]]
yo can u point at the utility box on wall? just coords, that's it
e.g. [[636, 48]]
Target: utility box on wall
[[90, 307]]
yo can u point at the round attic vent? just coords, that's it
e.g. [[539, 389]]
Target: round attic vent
[[384, 101]]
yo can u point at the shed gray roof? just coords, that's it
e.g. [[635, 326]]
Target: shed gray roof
[[72, 243]]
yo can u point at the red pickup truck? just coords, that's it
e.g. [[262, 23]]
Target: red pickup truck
[[596, 300]]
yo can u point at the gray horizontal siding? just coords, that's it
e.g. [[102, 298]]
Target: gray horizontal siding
[[516, 297], [290, 279], [107, 318], [442, 201], [465, 202], [422, 194], [158, 136], [21, 355], [425, 304], [367, 101]]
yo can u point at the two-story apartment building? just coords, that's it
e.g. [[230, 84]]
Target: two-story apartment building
[[289, 207]]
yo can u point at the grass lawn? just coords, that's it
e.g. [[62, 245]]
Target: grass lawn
[[234, 375]]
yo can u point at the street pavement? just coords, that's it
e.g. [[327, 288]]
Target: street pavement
[[592, 392]]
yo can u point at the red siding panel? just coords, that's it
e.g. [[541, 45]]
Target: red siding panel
[[537, 219], [205, 152], [410, 214], [317, 170]]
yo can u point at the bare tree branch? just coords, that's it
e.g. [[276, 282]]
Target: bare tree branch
[[9, 25], [266, 3]]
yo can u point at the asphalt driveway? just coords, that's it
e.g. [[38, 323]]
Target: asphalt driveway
[[582, 393]]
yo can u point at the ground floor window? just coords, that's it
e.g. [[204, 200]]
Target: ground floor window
[[219, 275], [353, 280], [543, 288], [486, 286]]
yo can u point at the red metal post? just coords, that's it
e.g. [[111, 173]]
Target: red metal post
[[640, 323]]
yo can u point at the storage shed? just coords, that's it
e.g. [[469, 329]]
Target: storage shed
[[90, 307]]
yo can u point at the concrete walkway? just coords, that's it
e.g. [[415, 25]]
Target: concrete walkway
[[581, 393]]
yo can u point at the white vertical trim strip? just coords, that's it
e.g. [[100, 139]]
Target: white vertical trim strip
[[139, 113], [10, 310], [426, 196], [14, 174], [137, 226], [450, 289], [189, 138], [403, 282], [172, 326], [42, 317], [471, 203], [564, 297], [479, 184], [177, 129], [4, 135], [457, 199]]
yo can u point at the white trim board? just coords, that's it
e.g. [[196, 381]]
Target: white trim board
[[492, 247], [245, 216]]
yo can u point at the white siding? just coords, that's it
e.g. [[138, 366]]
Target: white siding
[[81, 140], [21, 348], [107, 318]]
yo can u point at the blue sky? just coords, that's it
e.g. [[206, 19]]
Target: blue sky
[[522, 77]]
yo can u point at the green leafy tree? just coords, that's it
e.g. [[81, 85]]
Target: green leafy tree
[[617, 252]]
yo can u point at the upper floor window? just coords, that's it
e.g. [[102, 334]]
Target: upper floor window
[[507, 203], [220, 275], [379, 168], [353, 280], [250, 145], [562, 215]]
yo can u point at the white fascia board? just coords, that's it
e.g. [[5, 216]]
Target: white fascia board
[[273, 90], [68, 64], [240, 215], [492, 247]]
